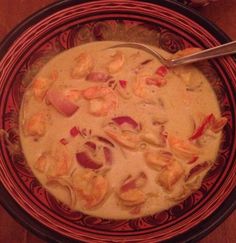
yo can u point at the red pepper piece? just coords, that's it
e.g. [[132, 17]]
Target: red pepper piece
[[64, 141], [206, 123], [218, 124], [123, 83], [162, 71], [74, 131]]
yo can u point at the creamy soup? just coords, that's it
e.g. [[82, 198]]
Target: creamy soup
[[113, 133]]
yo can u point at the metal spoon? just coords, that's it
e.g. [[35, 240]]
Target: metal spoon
[[225, 49]]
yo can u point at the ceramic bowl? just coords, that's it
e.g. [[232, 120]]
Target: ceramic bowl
[[69, 23]]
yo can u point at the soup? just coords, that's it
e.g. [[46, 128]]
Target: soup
[[113, 133]]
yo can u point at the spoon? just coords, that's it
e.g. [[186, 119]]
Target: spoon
[[225, 49]]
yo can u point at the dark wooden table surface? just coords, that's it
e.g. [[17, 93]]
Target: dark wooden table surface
[[12, 12]]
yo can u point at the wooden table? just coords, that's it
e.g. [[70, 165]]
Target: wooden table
[[12, 12]]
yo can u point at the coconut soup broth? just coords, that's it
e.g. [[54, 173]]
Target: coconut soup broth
[[114, 134]]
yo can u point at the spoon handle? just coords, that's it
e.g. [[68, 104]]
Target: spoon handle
[[225, 49]]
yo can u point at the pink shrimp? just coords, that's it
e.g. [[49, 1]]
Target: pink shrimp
[[91, 187], [36, 125], [84, 65], [117, 62], [102, 100]]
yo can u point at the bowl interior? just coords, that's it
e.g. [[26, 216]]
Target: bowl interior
[[68, 24]]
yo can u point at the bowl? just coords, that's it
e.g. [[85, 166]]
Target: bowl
[[69, 23]]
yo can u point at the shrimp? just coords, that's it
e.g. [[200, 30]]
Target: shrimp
[[117, 62], [133, 197], [61, 162], [102, 100], [54, 163], [192, 78], [43, 161], [40, 87], [91, 187], [158, 160], [183, 149], [130, 191], [170, 169], [84, 65], [140, 88], [154, 139], [36, 125], [170, 175]]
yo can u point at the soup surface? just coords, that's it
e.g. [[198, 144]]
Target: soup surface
[[115, 134]]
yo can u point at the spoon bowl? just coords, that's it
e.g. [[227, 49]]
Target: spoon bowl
[[222, 50]]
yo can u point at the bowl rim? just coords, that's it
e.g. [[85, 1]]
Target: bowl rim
[[54, 7], [34, 226]]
